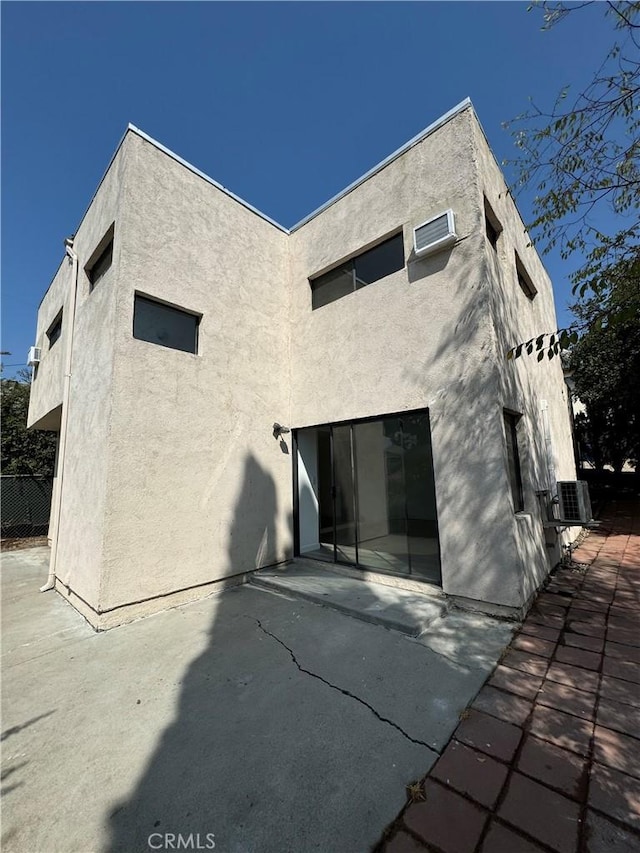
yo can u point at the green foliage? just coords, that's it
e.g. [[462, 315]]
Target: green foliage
[[582, 157], [605, 365], [23, 451]]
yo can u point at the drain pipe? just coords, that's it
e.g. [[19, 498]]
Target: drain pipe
[[64, 419]]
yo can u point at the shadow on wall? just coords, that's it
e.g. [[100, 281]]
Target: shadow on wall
[[259, 749], [178, 792], [469, 448]]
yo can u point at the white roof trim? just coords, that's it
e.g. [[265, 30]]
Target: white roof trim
[[200, 174], [407, 145], [463, 105], [398, 153]]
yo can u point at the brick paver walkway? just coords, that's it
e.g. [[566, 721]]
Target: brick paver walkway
[[547, 758]]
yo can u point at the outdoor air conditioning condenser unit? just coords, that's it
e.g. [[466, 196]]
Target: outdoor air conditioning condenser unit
[[33, 357], [573, 502], [434, 234]]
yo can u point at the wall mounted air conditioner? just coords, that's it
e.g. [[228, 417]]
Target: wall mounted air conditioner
[[434, 234], [33, 356], [574, 504]]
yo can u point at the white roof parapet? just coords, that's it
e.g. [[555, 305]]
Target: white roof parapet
[[206, 177], [463, 105], [407, 145]]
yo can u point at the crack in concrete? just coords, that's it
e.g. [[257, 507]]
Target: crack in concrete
[[344, 691]]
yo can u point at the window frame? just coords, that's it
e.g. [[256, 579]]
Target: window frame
[[54, 332], [510, 420], [348, 266], [491, 221], [524, 279], [105, 245], [147, 298]]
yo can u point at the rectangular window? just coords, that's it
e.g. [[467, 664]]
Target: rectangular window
[[513, 459], [166, 325], [55, 330], [101, 259], [524, 280], [363, 269], [492, 225]]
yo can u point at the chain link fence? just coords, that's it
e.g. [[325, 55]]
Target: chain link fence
[[25, 505]]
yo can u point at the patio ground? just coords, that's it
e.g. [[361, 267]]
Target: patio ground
[[269, 722]]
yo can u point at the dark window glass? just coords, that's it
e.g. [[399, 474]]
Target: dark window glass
[[513, 460], [380, 261], [55, 330], [524, 281], [364, 269], [101, 264], [492, 225], [492, 233], [165, 325], [332, 286]]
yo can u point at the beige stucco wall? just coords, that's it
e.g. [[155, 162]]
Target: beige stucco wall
[[46, 388], [420, 338], [173, 479], [198, 487], [79, 563], [536, 390]]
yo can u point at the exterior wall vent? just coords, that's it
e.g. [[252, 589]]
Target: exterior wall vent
[[33, 356], [435, 234], [573, 501]]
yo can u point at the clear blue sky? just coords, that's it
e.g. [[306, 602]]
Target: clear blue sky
[[283, 103]]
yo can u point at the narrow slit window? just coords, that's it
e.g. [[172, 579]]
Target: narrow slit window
[[492, 225], [513, 459], [101, 259], [55, 330], [524, 279]]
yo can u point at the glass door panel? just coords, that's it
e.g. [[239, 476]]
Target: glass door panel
[[382, 526], [315, 493], [422, 524], [366, 495], [343, 496]]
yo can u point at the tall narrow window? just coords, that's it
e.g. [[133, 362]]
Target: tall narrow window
[[524, 279], [101, 259], [166, 325], [55, 329], [513, 459], [492, 225]]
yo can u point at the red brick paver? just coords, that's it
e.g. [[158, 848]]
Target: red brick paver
[[547, 757]]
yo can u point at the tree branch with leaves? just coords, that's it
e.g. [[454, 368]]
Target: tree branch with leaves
[[582, 159]]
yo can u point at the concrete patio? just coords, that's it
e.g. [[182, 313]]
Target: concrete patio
[[273, 723]]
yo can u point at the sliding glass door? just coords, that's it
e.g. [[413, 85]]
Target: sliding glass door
[[366, 495]]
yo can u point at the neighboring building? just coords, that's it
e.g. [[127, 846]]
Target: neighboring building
[[416, 447]]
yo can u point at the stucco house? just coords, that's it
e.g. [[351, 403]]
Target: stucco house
[[185, 333]]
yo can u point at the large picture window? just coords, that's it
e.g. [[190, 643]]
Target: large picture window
[[363, 269], [166, 325]]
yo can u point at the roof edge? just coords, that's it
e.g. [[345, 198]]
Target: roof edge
[[131, 128], [204, 176], [438, 123]]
